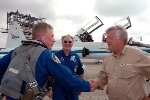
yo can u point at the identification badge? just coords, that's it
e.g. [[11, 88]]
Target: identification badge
[[128, 65]]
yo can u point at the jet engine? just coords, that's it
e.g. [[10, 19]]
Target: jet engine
[[85, 52]]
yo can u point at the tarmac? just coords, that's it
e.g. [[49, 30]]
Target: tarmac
[[92, 69]]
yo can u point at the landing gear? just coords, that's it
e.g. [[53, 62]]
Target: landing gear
[[97, 61]]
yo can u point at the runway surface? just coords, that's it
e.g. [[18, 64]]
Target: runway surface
[[91, 71]]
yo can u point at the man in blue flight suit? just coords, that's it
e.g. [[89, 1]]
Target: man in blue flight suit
[[45, 65], [71, 60]]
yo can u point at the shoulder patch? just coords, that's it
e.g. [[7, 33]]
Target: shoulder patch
[[55, 58]]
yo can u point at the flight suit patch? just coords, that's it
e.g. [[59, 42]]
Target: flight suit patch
[[55, 58], [75, 69], [73, 59], [61, 59]]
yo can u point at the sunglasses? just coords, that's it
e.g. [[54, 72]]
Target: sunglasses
[[68, 42]]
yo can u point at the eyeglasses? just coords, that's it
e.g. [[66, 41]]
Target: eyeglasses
[[68, 42]]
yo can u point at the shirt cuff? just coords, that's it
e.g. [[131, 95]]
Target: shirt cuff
[[100, 85]]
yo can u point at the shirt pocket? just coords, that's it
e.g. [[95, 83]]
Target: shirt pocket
[[126, 72]]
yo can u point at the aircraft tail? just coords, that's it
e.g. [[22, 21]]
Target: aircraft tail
[[15, 35]]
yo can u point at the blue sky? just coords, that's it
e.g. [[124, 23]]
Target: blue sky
[[68, 16]]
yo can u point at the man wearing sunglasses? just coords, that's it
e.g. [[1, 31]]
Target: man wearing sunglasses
[[71, 60]]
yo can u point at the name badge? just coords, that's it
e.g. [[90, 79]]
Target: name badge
[[127, 65]]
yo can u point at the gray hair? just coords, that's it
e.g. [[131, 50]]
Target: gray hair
[[120, 32], [62, 38]]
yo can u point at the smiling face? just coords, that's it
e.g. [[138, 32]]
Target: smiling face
[[67, 43]]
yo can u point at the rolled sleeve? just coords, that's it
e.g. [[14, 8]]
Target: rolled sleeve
[[102, 78]]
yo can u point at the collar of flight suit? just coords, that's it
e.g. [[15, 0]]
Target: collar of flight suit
[[43, 43], [70, 54]]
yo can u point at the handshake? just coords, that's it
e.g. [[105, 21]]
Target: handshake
[[93, 84]]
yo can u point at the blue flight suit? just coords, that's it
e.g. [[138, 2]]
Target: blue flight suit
[[73, 62], [46, 66]]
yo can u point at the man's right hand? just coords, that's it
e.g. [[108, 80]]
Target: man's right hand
[[93, 84]]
